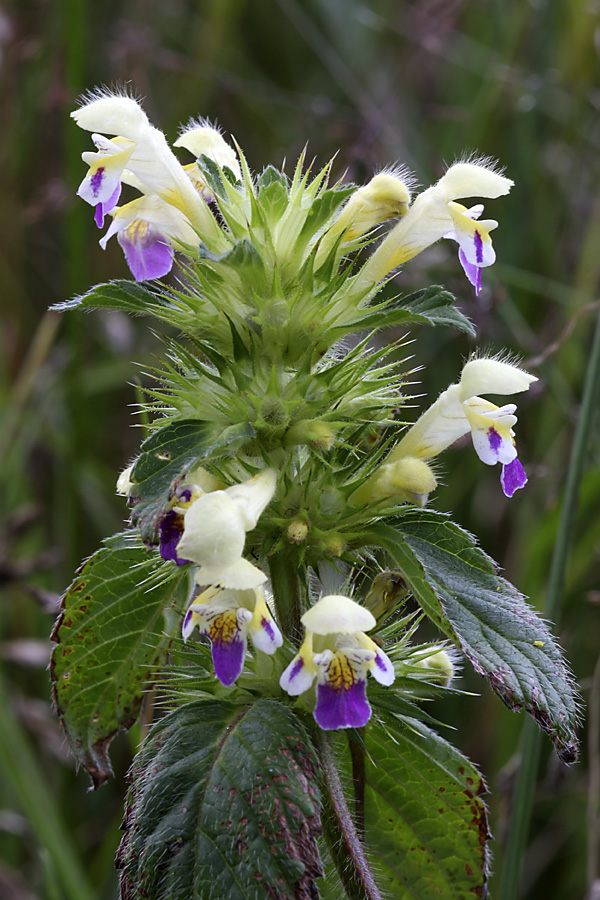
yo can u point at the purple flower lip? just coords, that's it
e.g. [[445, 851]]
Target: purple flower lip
[[472, 272], [513, 477], [103, 208], [228, 660], [149, 258], [170, 531], [346, 708]]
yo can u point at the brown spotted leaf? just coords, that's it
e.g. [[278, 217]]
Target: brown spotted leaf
[[224, 803], [505, 639], [427, 827], [110, 637]]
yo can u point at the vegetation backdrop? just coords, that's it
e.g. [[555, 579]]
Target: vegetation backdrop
[[380, 81]]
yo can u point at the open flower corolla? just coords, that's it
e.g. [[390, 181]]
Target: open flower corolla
[[227, 617], [337, 652], [435, 214], [459, 410]]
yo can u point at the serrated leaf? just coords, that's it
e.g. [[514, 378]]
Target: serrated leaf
[[129, 296], [223, 804], [430, 306], [273, 193], [457, 586], [270, 175], [426, 823], [168, 454], [110, 636]]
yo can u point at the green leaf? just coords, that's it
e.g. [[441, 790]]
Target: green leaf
[[130, 296], [426, 824], [457, 586], [212, 173], [430, 306], [273, 193], [322, 209], [224, 803], [167, 455], [110, 637]]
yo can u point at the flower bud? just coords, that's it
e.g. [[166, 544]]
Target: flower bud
[[440, 666], [297, 531], [315, 433], [333, 545], [204, 480], [387, 590], [203, 139], [124, 482], [384, 197], [407, 479]]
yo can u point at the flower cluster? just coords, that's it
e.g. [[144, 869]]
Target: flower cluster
[[206, 526], [278, 271], [173, 210]]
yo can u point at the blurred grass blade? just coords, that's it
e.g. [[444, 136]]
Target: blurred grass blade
[[531, 744], [21, 771]]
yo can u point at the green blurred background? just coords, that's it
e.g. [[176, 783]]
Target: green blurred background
[[380, 81]]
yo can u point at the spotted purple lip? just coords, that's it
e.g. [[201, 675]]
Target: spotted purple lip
[[478, 247], [495, 441], [96, 181]]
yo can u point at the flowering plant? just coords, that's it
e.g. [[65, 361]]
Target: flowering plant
[[281, 495]]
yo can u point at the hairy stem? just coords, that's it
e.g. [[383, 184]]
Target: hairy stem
[[340, 831], [356, 745], [285, 584], [531, 740]]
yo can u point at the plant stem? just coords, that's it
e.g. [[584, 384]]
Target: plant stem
[[22, 773], [531, 737], [342, 838], [593, 794], [357, 755], [285, 584]]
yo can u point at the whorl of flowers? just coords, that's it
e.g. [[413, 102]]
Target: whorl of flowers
[[290, 446]]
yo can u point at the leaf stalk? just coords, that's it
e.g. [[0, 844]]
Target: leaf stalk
[[340, 831]]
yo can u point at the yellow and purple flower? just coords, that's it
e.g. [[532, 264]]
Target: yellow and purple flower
[[337, 652], [227, 617], [172, 210], [149, 230], [435, 214], [459, 410]]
